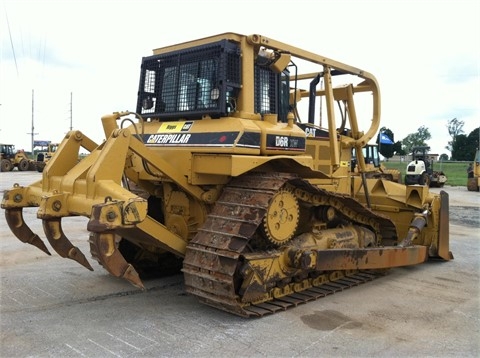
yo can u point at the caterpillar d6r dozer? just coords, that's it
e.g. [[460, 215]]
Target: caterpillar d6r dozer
[[225, 172]]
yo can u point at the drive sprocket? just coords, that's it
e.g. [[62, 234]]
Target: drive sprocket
[[282, 217]]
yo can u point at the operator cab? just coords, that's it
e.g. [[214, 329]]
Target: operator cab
[[371, 155], [7, 150], [206, 80]]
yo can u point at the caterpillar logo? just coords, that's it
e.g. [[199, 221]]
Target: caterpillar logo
[[168, 139], [310, 132]]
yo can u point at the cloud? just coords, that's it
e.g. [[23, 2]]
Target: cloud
[[425, 56]]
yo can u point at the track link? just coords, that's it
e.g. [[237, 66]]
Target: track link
[[214, 255]]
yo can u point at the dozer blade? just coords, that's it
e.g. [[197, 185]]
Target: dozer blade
[[14, 217], [104, 249], [60, 243], [444, 229]]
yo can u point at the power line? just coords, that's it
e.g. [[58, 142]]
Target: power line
[[11, 40]]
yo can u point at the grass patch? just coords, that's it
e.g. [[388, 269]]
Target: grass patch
[[456, 172]]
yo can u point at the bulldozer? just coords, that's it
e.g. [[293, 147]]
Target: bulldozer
[[235, 171], [10, 159], [373, 166], [473, 173], [44, 150]]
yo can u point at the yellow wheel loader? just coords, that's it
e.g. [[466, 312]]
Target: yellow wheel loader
[[236, 168], [10, 159]]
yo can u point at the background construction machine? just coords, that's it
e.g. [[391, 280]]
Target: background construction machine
[[11, 158], [373, 165], [44, 150], [420, 169], [473, 177], [220, 172]]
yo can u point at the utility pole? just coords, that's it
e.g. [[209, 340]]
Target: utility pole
[[32, 133], [71, 111]]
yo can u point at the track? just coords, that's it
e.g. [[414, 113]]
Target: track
[[213, 261]]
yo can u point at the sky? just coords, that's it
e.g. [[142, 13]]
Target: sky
[[64, 64]]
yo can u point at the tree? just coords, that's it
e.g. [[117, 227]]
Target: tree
[[454, 129], [416, 139], [464, 147], [473, 140], [397, 148], [443, 157], [460, 148]]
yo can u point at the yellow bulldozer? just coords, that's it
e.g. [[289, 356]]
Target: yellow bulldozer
[[236, 168], [44, 151], [373, 166], [473, 173]]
